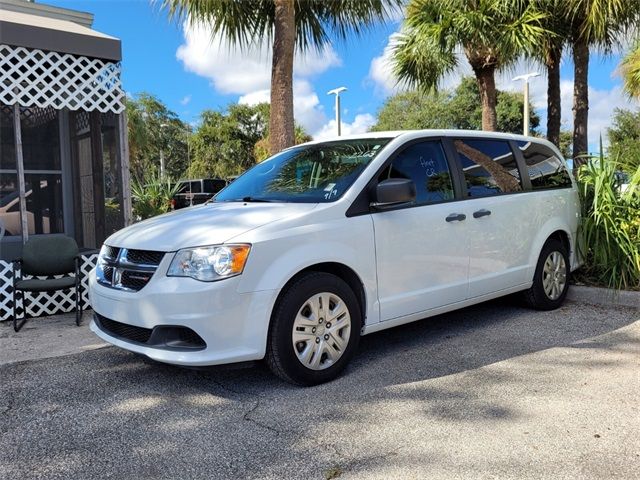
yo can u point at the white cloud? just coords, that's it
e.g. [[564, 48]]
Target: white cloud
[[253, 98], [381, 71], [185, 100], [247, 72], [242, 71], [361, 123], [306, 105]]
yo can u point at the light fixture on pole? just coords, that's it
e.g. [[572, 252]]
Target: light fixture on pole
[[526, 78], [336, 92]]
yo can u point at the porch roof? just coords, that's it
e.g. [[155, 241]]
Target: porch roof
[[47, 33]]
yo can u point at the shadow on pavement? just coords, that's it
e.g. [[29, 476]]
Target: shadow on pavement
[[109, 412]]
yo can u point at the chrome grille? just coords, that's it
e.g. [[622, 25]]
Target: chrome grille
[[125, 269]]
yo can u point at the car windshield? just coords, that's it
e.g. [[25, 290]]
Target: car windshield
[[306, 174]]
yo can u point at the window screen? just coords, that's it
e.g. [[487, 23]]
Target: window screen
[[489, 167], [426, 164], [546, 170]]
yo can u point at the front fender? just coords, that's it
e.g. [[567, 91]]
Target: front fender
[[274, 261]]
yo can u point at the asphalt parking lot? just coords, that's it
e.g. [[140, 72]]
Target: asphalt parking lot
[[492, 391]]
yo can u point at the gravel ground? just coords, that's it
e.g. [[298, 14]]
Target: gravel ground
[[492, 391]]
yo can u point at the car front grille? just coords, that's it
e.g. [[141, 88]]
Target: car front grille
[[145, 257], [124, 331], [167, 337], [127, 269]]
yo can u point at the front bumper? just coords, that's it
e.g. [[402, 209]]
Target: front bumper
[[233, 325]]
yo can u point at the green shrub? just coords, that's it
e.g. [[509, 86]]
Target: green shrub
[[152, 196], [610, 230]]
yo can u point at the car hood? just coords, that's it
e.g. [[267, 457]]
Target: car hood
[[207, 224]]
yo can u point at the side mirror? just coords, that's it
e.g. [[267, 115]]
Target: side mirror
[[394, 191]]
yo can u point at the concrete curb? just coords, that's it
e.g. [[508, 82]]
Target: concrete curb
[[603, 296]]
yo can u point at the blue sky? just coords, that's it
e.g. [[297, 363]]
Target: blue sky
[[189, 72]]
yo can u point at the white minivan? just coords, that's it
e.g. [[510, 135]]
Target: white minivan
[[328, 241]]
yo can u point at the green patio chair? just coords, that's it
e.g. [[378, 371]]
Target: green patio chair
[[47, 256]]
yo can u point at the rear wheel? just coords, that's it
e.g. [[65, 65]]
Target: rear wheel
[[551, 279], [315, 330]]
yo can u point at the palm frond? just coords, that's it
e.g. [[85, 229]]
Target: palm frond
[[630, 70], [242, 22]]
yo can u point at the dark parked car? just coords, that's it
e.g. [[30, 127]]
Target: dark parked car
[[196, 191]]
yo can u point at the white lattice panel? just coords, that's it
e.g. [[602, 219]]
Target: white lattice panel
[[34, 77], [42, 303]]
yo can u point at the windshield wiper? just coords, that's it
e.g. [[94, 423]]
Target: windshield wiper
[[251, 199]]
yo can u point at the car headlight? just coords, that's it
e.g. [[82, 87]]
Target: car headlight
[[210, 263]]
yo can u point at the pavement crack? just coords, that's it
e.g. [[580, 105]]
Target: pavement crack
[[247, 417]]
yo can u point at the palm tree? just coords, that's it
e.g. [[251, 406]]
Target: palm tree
[[288, 24], [599, 23], [491, 33], [630, 69], [548, 51]]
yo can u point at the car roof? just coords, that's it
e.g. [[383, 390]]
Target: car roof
[[410, 134]]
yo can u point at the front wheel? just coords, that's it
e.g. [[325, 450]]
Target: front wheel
[[315, 330], [551, 279]]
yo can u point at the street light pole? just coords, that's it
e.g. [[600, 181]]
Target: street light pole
[[336, 92], [526, 78], [162, 125]]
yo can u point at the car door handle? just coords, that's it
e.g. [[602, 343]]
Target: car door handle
[[481, 213], [456, 217]]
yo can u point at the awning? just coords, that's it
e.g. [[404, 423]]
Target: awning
[[52, 34]]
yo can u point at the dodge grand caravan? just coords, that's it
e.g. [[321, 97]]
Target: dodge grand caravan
[[328, 241]]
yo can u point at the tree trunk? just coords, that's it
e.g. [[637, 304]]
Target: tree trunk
[[580, 101], [487, 85], [553, 96], [281, 121]]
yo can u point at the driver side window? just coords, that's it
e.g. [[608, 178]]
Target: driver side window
[[426, 164]]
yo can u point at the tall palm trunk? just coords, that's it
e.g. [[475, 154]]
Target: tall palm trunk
[[485, 76], [281, 124], [553, 95], [580, 100]]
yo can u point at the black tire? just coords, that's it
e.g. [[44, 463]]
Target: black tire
[[281, 356], [536, 297]]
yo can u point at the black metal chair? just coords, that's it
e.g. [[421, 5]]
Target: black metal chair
[[47, 256]]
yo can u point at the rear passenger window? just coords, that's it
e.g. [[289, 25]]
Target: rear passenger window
[[196, 187], [426, 164], [546, 170], [489, 167]]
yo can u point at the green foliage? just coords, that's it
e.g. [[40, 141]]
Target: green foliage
[[630, 70], [152, 195], [153, 128], [460, 109], [227, 143], [566, 143], [223, 144], [624, 138], [415, 110], [610, 229], [492, 34]]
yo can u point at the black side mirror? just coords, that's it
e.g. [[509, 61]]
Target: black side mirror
[[394, 191]]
